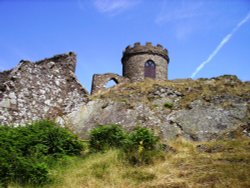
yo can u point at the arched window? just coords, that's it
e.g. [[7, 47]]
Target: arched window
[[112, 82], [149, 69]]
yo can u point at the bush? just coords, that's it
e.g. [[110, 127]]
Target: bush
[[50, 139], [141, 146], [26, 152], [168, 105], [29, 171], [105, 137], [138, 147]]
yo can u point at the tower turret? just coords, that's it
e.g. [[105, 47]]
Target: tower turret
[[140, 62]]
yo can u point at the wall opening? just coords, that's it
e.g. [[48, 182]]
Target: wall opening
[[149, 69], [112, 82]]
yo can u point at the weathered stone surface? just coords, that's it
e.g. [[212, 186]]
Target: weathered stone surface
[[207, 121], [134, 59], [110, 112], [100, 80], [44, 89], [201, 109], [136, 66], [193, 112]]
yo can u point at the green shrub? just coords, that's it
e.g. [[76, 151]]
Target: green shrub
[[105, 137], [29, 171], [48, 138], [138, 147], [141, 146], [168, 105], [27, 152]]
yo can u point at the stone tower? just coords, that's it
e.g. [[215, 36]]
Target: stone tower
[[140, 62]]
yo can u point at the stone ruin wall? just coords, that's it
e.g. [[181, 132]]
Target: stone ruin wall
[[40, 90], [100, 80]]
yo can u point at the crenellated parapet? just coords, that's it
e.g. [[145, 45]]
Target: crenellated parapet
[[145, 61], [148, 48]]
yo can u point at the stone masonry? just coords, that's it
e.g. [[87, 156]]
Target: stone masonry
[[49, 88], [134, 59], [40, 90], [134, 63], [100, 80]]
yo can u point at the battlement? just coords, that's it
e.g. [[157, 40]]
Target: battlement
[[148, 48]]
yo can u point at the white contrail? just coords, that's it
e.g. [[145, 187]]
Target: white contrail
[[222, 43]]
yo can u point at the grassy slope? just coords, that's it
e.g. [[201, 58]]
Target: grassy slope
[[220, 164], [223, 164], [205, 89]]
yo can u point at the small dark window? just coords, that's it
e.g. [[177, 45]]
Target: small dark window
[[149, 69]]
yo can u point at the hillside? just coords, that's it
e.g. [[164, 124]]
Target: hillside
[[223, 164], [204, 126], [198, 110]]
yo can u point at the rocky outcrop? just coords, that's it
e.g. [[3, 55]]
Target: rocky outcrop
[[199, 110], [194, 109], [44, 89], [205, 121]]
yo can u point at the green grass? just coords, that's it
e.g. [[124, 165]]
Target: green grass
[[219, 164]]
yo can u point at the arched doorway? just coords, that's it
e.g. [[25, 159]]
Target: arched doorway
[[149, 69]]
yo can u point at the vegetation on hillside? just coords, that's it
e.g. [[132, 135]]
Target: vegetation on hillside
[[28, 152], [45, 155], [137, 147], [209, 164], [205, 89]]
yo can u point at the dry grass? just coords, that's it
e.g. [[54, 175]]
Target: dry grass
[[212, 164], [191, 89]]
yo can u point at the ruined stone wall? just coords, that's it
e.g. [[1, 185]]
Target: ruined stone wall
[[100, 80], [135, 57], [44, 89]]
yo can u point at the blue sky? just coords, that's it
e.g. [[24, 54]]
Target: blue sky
[[205, 38]]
